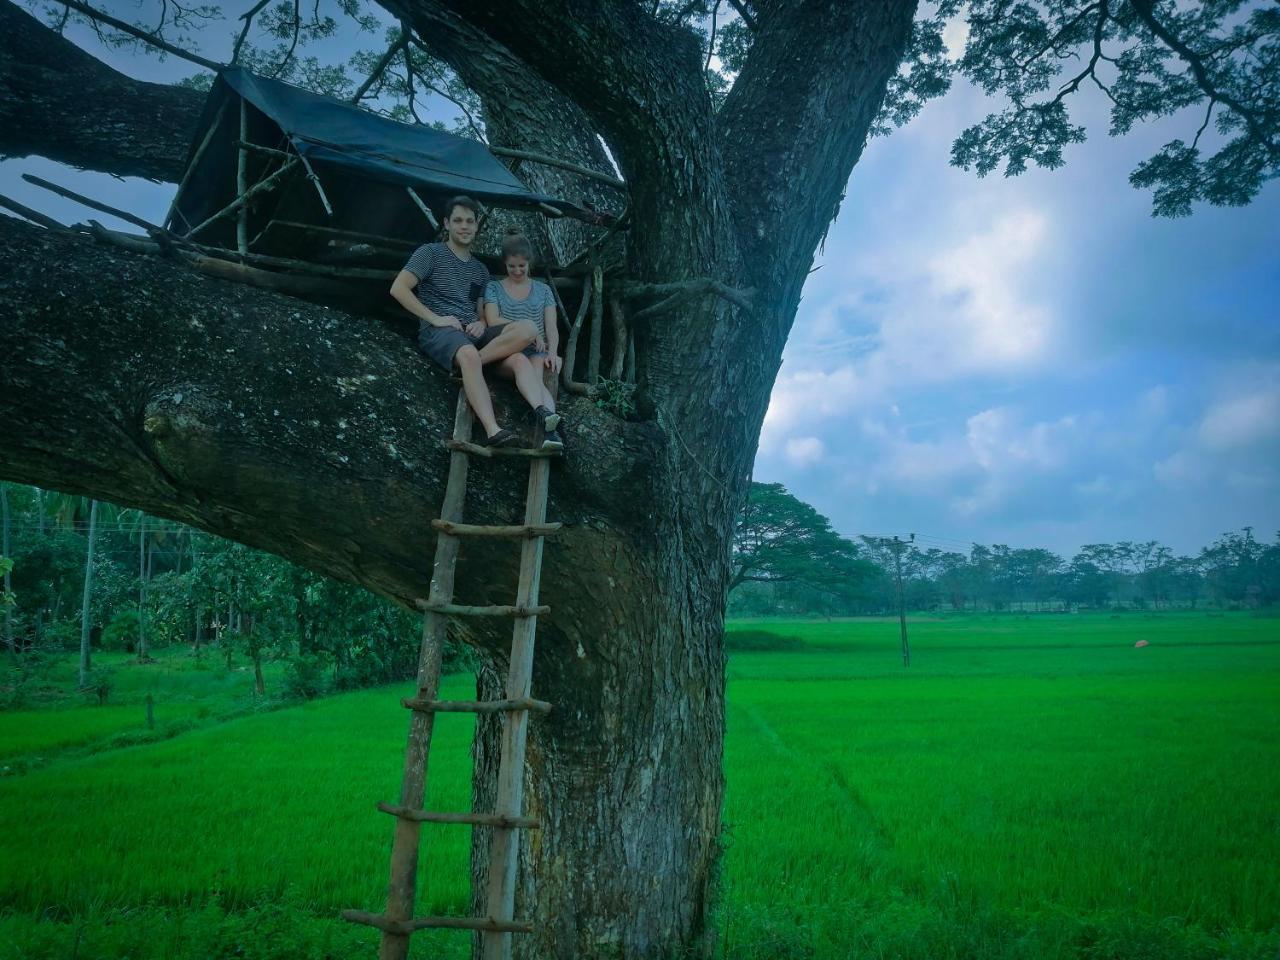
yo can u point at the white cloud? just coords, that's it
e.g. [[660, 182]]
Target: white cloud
[[1241, 421], [805, 451]]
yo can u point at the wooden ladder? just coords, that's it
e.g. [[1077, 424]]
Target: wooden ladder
[[397, 921]]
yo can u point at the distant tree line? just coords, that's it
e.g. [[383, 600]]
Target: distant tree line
[[87, 575], [789, 561]]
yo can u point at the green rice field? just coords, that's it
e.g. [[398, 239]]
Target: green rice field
[[1031, 787]]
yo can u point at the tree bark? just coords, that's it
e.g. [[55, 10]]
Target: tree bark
[[60, 102]]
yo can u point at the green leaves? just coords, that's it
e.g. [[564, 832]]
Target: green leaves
[[1151, 60]]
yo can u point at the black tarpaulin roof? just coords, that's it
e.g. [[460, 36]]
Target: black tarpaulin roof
[[345, 139]]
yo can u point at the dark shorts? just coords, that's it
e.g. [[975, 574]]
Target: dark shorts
[[441, 344]]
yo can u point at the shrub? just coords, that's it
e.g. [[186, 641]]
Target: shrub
[[122, 632], [97, 686], [304, 677]]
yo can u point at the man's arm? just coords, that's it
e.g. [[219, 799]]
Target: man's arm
[[402, 291]]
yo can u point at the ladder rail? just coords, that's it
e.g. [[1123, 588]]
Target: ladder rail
[[504, 845], [405, 844]]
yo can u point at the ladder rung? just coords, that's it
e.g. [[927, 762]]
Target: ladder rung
[[458, 610], [423, 923], [476, 819], [466, 446], [477, 706], [523, 531]]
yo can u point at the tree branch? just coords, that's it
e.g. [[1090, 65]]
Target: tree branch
[[747, 17], [60, 102], [149, 38], [244, 32], [1256, 125], [331, 457], [380, 66]]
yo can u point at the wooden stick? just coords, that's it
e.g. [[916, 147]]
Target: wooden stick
[[550, 211], [265, 151], [340, 234], [195, 162], [123, 240], [496, 610], [476, 819], [290, 283], [479, 451], [426, 211], [688, 288], [562, 164], [259, 187], [477, 706], [597, 328], [571, 347], [95, 204], [521, 531], [242, 160], [311, 175], [619, 325], [301, 266], [405, 927], [35, 216]]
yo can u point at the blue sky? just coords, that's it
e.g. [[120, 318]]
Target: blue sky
[[1033, 361]]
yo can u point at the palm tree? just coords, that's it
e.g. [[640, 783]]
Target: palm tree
[[88, 592], [4, 553], [67, 510]]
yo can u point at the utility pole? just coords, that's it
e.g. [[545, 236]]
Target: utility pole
[[898, 547]]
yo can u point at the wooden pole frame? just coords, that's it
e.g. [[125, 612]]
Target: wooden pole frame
[[426, 211], [195, 161], [242, 162]]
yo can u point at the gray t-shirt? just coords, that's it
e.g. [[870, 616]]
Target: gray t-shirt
[[447, 284], [532, 308]]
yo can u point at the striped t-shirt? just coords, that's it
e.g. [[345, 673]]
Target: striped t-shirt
[[532, 308], [447, 284]]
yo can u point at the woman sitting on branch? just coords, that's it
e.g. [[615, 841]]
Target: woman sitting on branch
[[519, 299]]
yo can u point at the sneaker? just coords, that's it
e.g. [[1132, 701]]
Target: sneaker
[[503, 438], [553, 440], [549, 419]]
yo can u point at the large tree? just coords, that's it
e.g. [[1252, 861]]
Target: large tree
[[314, 433]]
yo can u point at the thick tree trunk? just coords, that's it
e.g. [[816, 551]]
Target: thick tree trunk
[[60, 102], [85, 625]]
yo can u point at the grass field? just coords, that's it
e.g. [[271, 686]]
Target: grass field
[[1030, 788]]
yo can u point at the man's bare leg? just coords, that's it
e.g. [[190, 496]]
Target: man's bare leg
[[468, 360], [513, 339]]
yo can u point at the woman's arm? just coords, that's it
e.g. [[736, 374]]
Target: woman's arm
[[549, 324]]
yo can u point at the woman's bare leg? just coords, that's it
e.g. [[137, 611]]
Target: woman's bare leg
[[510, 341], [528, 378]]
